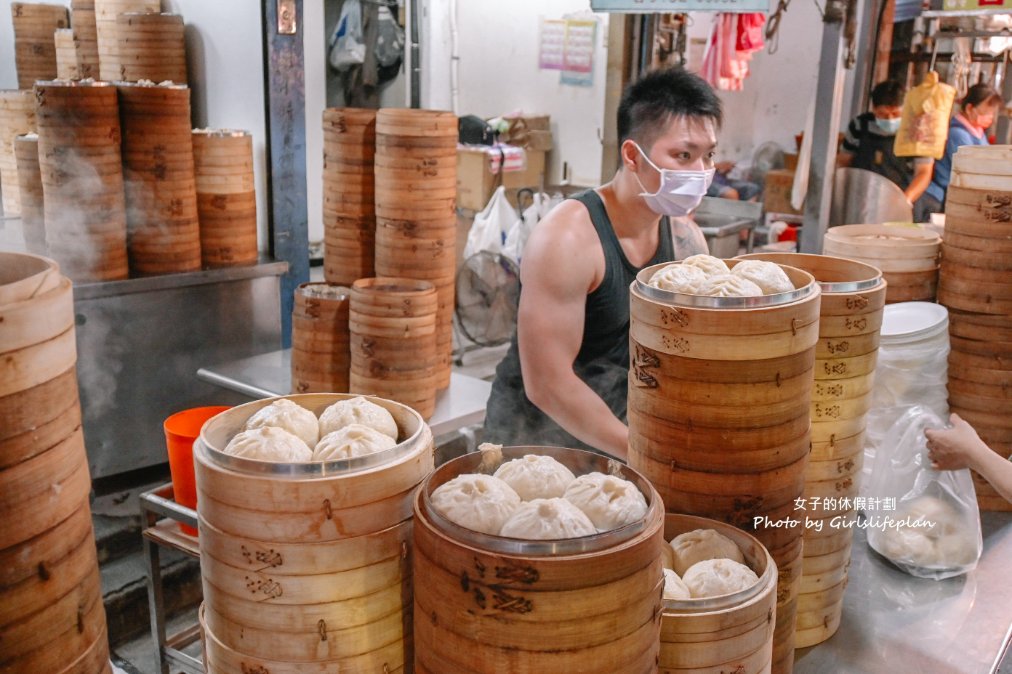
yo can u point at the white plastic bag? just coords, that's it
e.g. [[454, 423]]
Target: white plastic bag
[[934, 530], [347, 46], [488, 231], [516, 237]]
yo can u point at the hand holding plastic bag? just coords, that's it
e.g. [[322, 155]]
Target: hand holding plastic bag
[[934, 531]]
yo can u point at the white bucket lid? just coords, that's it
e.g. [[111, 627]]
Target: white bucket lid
[[907, 321]]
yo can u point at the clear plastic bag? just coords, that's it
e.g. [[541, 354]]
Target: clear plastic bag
[[347, 45], [488, 231], [934, 530]]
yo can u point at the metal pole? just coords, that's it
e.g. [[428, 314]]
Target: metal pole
[[285, 93], [825, 131], [867, 20]]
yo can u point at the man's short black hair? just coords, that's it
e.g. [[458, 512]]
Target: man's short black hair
[[889, 93], [650, 102]]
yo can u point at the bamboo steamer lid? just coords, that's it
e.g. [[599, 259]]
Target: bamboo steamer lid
[[320, 322], [414, 122], [66, 55], [150, 46], [107, 31], [34, 48]]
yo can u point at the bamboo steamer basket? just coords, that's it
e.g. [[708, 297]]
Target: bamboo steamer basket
[[486, 603], [34, 48], [151, 46], [311, 559], [321, 357], [107, 31], [66, 55], [82, 19], [82, 179], [33, 219], [983, 168], [158, 157], [226, 196], [727, 633], [907, 257], [17, 117]]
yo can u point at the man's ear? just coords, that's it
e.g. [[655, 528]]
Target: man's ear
[[629, 154]]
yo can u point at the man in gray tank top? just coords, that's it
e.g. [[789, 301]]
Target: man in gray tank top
[[563, 380]]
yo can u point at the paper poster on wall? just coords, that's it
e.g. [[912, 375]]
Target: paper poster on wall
[[972, 5], [649, 6], [553, 44], [578, 55]]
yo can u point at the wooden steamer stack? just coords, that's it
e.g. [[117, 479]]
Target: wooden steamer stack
[[416, 222], [306, 567], [33, 217], [321, 358], [976, 286], [226, 197], [719, 397], [486, 604], [82, 179], [107, 31], [151, 47], [349, 197], [392, 323], [82, 19], [908, 257], [51, 614], [161, 193], [17, 117], [66, 55], [853, 300], [34, 48]]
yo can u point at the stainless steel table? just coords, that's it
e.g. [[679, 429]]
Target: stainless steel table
[[894, 623], [461, 404]]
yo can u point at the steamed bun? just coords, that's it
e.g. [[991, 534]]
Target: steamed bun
[[547, 519], [707, 264], [729, 285], [535, 476], [610, 502], [770, 278], [714, 577], [678, 278], [351, 441], [358, 410], [935, 538], [667, 557], [702, 544], [290, 416], [675, 587], [269, 443], [478, 502]]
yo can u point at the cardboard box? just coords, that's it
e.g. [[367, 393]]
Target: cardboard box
[[777, 192], [476, 182]]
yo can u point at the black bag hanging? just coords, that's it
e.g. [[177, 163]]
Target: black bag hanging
[[473, 130]]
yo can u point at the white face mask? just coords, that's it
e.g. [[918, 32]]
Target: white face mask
[[680, 192]]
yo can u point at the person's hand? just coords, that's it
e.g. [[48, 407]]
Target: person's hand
[[954, 448]]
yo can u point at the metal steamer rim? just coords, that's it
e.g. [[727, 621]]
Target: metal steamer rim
[[220, 429], [724, 601], [222, 133], [841, 287], [580, 462], [641, 285]]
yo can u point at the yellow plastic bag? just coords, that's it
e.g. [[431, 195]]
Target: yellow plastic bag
[[924, 125]]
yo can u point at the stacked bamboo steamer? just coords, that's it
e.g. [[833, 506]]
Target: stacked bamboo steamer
[[976, 286], [719, 397], [33, 217], [416, 222], [907, 256], [82, 19], [392, 323], [732, 633], [66, 55], [853, 301], [51, 614], [306, 567], [161, 193], [107, 31], [349, 199], [151, 46], [17, 117], [487, 604], [82, 179], [321, 357], [34, 49], [226, 196]]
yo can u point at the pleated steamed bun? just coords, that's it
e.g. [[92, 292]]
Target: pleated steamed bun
[[534, 476], [701, 544], [546, 519], [937, 536], [290, 416], [707, 264], [478, 502], [269, 443], [678, 278], [675, 587], [714, 577], [358, 410], [767, 275], [610, 502], [729, 285], [351, 441]]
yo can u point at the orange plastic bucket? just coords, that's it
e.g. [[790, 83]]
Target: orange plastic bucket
[[181, 429]]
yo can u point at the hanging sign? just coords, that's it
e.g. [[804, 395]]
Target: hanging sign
[[975, 5], [678, 6]]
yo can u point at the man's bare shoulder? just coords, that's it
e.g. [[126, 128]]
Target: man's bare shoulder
[[563, 250], [568, 224]]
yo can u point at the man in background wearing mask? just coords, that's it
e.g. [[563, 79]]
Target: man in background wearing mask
[[564, 379], [869, 141]]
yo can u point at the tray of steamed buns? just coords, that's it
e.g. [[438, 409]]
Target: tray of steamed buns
[[538, 500], [321, 434], [708, 282]]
